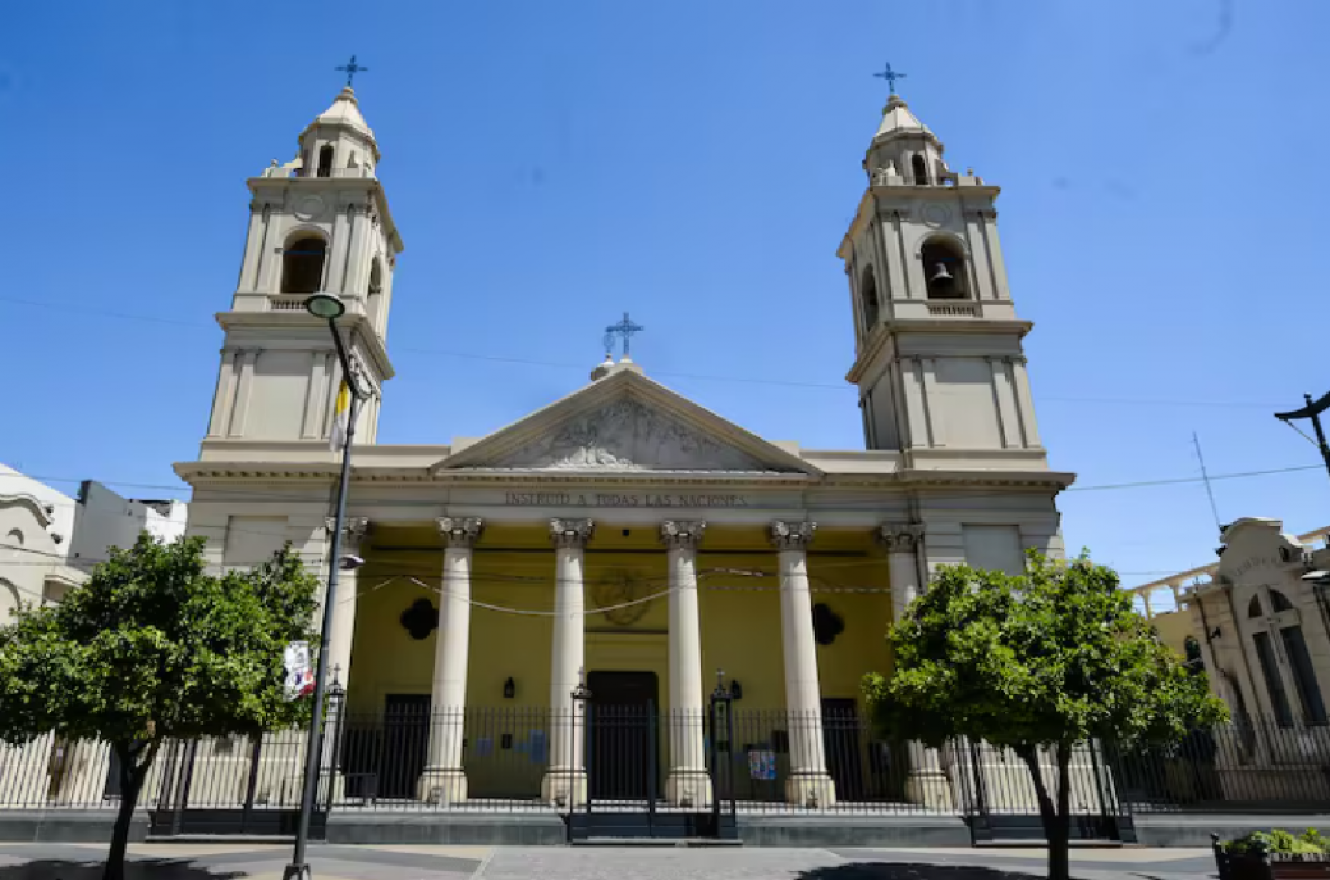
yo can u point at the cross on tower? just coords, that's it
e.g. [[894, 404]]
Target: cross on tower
[[350, 68], [888, 74], [625, 328]]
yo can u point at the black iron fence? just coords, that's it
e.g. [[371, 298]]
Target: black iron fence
[[750, 760]]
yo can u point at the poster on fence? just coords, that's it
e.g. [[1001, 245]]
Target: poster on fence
[[538, 747], [762, 764], [299, 681]]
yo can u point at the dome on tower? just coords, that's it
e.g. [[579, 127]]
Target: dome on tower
[[897, 120], [344, 112]]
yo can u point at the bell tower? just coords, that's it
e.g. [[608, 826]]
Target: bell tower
[[938, 347], [318, 224]]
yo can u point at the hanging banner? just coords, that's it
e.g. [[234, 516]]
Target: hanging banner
[[299, 681]]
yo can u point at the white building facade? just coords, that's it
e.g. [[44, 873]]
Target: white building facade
[[49, 540]]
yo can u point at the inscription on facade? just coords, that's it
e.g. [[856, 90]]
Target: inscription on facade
[[622, 499]]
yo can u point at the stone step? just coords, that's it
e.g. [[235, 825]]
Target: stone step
[[683, 842]]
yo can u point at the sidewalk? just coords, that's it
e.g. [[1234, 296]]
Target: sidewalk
[[265, 862]]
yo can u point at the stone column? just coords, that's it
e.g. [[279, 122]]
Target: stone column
[[343, 632], [808, 784], [900, 541], [444, 780], [689, 783], [926, 782], [565, 780]]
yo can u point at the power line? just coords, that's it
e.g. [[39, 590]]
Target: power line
[[836, 386]]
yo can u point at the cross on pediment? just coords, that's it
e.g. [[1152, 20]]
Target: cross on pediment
[[624, 329]]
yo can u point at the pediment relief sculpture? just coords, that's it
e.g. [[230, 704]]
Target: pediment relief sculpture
[[629, 435]]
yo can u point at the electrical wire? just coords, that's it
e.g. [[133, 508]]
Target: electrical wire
[[837, 386]]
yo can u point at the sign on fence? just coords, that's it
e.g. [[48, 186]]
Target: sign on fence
[[762, 764], [299, 674]]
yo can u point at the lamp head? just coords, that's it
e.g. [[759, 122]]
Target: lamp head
[[325, 306]]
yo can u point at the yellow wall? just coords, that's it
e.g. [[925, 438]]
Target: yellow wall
[[1173, 628], [513, 566]]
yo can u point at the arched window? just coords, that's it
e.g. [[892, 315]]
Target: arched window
[[944, 269], [1279, 602], [920, 166], [325, 160], [868, 299], [1254, 607], [302, 264]]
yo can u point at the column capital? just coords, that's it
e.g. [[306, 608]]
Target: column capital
[[354, 528], [900, 537], [792, 535], [682, 534], [460, 531], [571, 532]]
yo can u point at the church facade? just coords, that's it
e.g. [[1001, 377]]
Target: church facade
[[624, 537]]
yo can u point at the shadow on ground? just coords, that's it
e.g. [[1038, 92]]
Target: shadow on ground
[[909, 871], [135, 869]]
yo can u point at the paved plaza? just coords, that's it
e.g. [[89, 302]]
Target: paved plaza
[[180, 861]]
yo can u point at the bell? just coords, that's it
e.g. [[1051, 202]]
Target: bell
[[941, 275]]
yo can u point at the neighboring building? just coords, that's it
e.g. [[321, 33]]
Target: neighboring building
[[1171, 618], [783, 565], [1258, 620], [49, 541]]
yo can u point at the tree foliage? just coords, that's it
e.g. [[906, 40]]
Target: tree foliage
[[1046, 660], [152, 647]]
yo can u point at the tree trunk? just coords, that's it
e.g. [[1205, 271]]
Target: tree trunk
[[1053, 817], [1059, 836], [134, 763]]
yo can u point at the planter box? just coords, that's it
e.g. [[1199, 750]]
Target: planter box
[[1270, 866]]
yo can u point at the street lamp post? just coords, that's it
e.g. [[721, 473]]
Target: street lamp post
[[329, 308]]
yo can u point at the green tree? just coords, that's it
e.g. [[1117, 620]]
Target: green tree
[[1047, 660], [150, 648]]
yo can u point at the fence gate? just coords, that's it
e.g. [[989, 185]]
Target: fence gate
[[998, 795], [624, 745], [232, 786]]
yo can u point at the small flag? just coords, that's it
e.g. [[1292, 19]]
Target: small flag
[[341, 418], [299, 673]]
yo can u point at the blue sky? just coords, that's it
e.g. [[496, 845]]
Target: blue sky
[[553, 165]]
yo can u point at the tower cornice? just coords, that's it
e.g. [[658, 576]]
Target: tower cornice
[[355, 325], [887, 333], [371, 186]]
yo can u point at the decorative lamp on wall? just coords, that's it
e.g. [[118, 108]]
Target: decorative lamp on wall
[[736, 689], [509, 688]]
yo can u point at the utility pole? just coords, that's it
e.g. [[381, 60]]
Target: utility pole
[[1312, 411]]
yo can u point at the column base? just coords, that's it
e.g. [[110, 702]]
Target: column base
[[689, 788], [563, 788], [810, 790], [443, 785], [930, 788]]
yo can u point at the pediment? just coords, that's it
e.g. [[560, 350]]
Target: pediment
[[626, 423], [1256, 550]]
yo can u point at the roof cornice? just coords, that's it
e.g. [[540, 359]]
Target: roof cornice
[[350, 322]]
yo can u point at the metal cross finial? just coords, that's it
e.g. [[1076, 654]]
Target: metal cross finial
[[625, 328], [889, 75], [350, 68]]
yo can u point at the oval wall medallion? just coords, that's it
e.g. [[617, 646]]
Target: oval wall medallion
[[616, 588], [934, 215], [308, 208]]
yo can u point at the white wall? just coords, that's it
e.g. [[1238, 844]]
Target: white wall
[[49, 540]]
